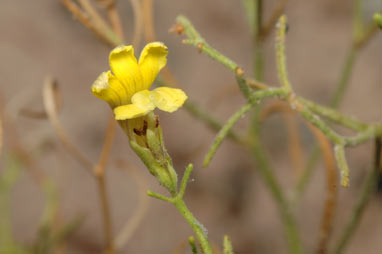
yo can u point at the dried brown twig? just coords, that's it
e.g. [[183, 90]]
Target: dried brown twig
[[114, 18], [50, 88], [331, 179]]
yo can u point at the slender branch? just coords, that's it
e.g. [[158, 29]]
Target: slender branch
[[227, 245], [333, 115], [49, 89], [196, 40], [112, 12], [191, 241], [197, 112], [359, 208], [254, 99], [138, 22], [148, 18], [280, 53], [331, 183], [105, 33], [360, 39], [290, 226], [106, 214], [224, 131], [199, 230], [357, 211], [258, 47], [268, 27], [184, 182]]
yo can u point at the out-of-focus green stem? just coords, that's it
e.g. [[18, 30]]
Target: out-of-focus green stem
[[290, 226], [209, 120], [357, 212], [227, 245], [344, 79], [258, 47], [361, 36]]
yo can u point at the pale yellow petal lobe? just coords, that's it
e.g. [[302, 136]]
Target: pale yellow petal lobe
[[142, 99], [124, 66], [168, 99], [128, 112], [152, 60], [101, 89], [141, 105]]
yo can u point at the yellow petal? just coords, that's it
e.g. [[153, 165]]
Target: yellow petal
[[141, 105], [142, 99], [168, 99], [101, 89], [128, 112], [124, 66], [123, 92], [152, 60]]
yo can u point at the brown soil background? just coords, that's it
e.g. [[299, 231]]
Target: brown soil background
[[40, 38]]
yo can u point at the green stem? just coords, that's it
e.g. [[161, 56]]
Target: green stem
[[289, 223], [344, 79], [254, 98], [227, 245], [197, 227], [334, 115], [357, 212], [224, 131], [196, 111], [280, 53], [258, 47]]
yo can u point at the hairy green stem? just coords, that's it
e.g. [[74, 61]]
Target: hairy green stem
[[360, 37], [224, 131], [333, 115], [197, 227]]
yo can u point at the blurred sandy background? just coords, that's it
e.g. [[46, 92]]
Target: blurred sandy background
[[40, 38]]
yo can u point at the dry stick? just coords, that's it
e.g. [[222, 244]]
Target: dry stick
[[269, 26], [49, 89], [106, 36], [1, 134], [149, 34], [26, 112], [148, 20], [99, 172], [138, 22], [331, 179], [18, 148], [112, 12], [93, 13], [141, 209]]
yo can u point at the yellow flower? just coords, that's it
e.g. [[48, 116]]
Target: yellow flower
[[126, 86]]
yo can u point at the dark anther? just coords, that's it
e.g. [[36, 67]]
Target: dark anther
[[286, 28], [144, 129], [156, 122], [137, 132]]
